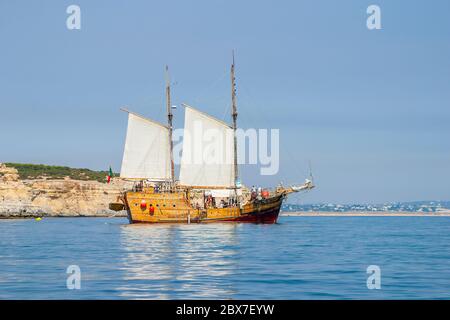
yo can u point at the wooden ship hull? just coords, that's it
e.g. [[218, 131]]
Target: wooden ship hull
[[174, 207]]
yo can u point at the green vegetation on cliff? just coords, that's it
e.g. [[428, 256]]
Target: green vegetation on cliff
[[35, 171]]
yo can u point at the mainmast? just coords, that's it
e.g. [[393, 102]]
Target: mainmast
[[234, 115], [169, 121]]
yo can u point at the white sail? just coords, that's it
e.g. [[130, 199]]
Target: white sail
[[207, 157], [147, 150]]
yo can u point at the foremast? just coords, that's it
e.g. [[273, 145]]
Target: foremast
[[170, 125]]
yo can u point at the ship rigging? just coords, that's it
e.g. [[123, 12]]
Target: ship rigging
[[205, 191]]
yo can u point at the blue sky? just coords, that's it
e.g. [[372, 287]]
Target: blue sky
[[370, 109]]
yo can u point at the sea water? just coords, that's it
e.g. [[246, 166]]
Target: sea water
[[298, 258]]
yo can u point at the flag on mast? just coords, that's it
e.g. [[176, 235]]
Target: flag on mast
[[109, 176]]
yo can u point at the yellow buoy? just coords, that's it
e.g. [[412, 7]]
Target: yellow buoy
[[38, 219]]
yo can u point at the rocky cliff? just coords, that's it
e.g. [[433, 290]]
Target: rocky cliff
[[55, 197]]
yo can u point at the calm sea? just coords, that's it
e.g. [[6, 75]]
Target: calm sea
[[298, 258]]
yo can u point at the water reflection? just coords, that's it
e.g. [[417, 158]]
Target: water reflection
[[178, 261]]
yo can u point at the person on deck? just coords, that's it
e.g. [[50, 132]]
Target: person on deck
[[259, 196], [253, 194]]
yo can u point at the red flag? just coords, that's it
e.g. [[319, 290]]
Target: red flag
[[108, 178]]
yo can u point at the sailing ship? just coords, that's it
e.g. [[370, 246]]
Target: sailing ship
[[205, 191]]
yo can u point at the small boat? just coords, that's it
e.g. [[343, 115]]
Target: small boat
[[205, 192]]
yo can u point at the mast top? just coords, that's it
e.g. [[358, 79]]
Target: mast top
[[234, 114]]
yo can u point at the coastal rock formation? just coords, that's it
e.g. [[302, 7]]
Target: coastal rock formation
[[55, 197]]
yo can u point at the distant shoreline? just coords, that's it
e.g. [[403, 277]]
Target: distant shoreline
[[4, 216], [365, 214]]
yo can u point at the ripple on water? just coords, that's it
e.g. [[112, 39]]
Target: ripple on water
[[299, 258]]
